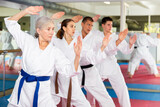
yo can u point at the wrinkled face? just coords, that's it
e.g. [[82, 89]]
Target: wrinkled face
[[46, 32], [70, 29], [107, 27], [87, 26]]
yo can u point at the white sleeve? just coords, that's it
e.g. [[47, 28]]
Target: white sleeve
[[111, 48], [64, 66], [153, 41], [93, 57], [15, 30], [124, 47]]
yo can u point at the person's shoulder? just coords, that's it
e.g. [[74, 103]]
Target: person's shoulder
[[28, 38], [54, 39], [114, 36], [144, 36], [56, 51], [57, 42], [97, 33]]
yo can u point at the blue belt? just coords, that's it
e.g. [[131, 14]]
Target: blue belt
[[31, 78]]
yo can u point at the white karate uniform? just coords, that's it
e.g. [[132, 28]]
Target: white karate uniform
[[109, 69], [6, 39], [93, 82], [39, 63], [77, 99], [142, 54]]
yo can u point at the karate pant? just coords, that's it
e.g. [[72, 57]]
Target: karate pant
[[148, 61], [118, 84], [79, 102], [100, 93], [78, 99]]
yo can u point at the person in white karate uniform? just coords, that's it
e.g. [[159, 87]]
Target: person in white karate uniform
[[142, 54], [93, 83], [66, 43], [109, 68], [39, 59], [6, 39]]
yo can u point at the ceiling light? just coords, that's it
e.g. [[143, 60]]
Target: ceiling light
[[107, 2]]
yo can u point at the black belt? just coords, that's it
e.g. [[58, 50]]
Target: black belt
[[83, 76], [135, 47]]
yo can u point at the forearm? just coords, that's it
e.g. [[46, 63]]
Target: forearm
[[76, 62], [19, 15], [93, 56], [125, 48], [102, 48], [118, 42], [130, 45]]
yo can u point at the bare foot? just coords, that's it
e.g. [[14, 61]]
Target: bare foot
[[128, 72], [7, 66], [11, 68], [157, 75], [129, 75]]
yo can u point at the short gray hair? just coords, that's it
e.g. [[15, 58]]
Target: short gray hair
[[41, 21]]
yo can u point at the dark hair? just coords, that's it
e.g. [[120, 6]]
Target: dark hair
[[64, 23], [36, 35], [105, 19], [86, 19]]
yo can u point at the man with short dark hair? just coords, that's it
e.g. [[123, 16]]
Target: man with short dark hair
[[93, 83], [110, 69]]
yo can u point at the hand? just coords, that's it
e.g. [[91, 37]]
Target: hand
[[33, 10], [77, 18], [106, 40], [123, 34], [158, 35], [78, 46], [132, 39], [57, 15], [95, 18]]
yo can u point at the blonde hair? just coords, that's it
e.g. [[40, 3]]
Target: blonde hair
[[40, 23]]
